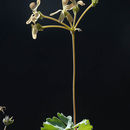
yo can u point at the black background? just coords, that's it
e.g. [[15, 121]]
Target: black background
[[36, 75]]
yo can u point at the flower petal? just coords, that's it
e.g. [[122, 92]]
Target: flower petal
[[34, 31], [55, 12], [78, 29], [61, 17], [69, 17], [80, 2], [30, 19], [38, 2], [65, 2], [69, 7], [73, 1]]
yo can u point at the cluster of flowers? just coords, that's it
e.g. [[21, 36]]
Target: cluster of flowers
[[67, 5], [64, 13]]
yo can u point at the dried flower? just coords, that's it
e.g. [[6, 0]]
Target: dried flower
[[8, 120]]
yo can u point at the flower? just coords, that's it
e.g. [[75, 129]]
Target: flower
[[64, 11], [8, 120], [75, 5], [35, 16], [2, 108], [80, 2]]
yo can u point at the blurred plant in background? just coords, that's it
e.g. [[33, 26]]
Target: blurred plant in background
[[6, 120]]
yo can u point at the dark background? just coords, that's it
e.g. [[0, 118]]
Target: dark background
[[36, 75]]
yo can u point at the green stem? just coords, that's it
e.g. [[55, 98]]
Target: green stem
[[54, 26], [74, 73], [53, 19], [89, 7]]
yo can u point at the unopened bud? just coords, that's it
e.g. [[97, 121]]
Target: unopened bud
[[32, 5]]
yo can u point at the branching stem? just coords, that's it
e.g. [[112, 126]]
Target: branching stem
[[56, 20], [54, 26], [89, 7]]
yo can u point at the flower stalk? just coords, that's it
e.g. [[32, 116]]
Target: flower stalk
[[74, 76], [72, 27], [56, 20], [54, 26], [89, 7]]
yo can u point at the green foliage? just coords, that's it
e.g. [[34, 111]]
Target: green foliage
[[94, 2], [84, 125], [65, 123], [60, 123]]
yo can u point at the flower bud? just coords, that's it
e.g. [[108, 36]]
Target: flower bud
[[32, 5]]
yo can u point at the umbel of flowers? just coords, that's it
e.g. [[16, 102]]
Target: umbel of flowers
[[69, 10]]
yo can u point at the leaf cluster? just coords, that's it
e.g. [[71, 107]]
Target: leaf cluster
[[61, 122]]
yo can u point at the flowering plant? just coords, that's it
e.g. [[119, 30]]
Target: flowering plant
[[6, 120], [62, 122]]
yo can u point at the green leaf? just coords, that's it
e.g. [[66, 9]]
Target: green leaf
[[60, 123], [94, 2], [84, 125]]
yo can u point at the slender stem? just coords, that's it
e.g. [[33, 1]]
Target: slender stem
[[53, 19], [5, 127], [74, 73], [54, 26], [90, 6]]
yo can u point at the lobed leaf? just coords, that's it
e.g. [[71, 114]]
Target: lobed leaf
[[60, 123], [84, 125]]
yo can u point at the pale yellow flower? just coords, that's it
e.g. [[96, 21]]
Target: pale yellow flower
[[35, 16], [64, 11]]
